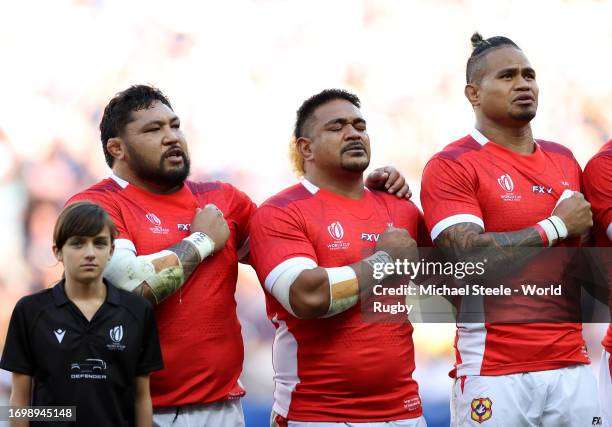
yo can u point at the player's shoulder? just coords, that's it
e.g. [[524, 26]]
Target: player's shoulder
[[555, 148], [199, 187], [604, 152], [101, 190], [404, 205], [458, 149], [288, 196]]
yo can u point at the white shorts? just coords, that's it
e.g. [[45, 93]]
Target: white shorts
[[563, 397], [224, 413], [605, 388], [278, 421]]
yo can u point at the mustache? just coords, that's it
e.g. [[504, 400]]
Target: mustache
[[174, 152], [353, 145]]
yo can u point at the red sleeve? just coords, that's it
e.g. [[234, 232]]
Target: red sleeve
[[277, 236], [109, 205], [241, 210], [423, 238], [597, 181], [448, 196]]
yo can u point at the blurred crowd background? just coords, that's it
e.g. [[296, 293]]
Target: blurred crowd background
[[235, 72]]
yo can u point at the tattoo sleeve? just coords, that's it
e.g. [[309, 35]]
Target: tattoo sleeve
[[504, 252], [171, 272]]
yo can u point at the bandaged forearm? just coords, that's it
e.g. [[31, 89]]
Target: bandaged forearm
[[344, 285], [162, 273]]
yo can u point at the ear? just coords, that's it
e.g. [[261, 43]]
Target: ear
[[58, 254], [116, 148], [472, 93], [112, 251], [304, 146]]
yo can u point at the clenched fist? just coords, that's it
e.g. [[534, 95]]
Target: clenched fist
[[576, 214], [210, 221], [398, 243]]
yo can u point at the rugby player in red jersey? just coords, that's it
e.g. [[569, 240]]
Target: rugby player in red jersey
[[499, 191], [314, 246]]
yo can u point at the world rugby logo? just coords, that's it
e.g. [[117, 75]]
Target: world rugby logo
[[116, 333], [506, 183], [335, 230], [153, 219]]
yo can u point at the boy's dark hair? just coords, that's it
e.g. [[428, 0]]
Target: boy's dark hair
[[81, 219]]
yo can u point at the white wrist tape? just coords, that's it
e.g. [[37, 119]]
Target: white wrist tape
[[555, 229], [202, 242], [378, 261], [559, 226], [565, 195], [343, 289]]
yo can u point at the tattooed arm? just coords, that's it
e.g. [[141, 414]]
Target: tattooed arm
[[504, 252], [159, 275], [508, 251]]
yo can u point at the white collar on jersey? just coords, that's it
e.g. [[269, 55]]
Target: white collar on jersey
[[122, 182], [482, 140], [479, 137], [310, 186], [313, 188]]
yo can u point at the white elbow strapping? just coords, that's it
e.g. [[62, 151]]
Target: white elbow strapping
[[343, 289], [127, 271], [282, 286]]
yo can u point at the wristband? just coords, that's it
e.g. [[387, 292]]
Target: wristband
[[543, 234], [202, 242], [343, 289], [554, 230], [380, 258], [559, 226]]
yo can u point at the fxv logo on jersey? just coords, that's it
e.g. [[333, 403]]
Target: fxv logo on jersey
[[183, 227], [540, 189], [370, 237]]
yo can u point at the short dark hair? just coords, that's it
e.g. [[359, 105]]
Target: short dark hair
[[118, 112], [308, 107], [306, 111], [81, 219], [481, 48]]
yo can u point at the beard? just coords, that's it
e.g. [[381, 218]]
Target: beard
[[523, 115], [355, 165], [160, 175]]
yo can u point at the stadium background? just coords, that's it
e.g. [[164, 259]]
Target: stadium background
[[236, 71]]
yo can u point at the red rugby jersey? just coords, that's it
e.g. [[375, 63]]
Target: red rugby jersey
[[198, 327], [476, 180], [338, 368], [598, 191]]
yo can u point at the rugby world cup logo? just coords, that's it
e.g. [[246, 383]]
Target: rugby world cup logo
[[506, 183], [153, 219], [335, 230], [116, 333]]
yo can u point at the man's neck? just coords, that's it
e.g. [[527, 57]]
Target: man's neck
[[517, 139], [152, 187], [344, 183]]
